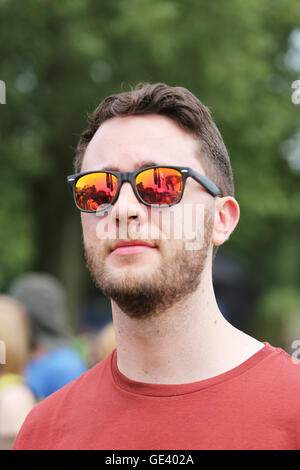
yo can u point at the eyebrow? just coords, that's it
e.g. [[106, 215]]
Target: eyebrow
[[137, 166]]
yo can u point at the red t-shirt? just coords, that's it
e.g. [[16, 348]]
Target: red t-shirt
[[255, 405]]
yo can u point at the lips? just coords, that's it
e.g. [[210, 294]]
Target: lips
[[131, 247]]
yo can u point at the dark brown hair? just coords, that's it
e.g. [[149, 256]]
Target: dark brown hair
[[180, 105]]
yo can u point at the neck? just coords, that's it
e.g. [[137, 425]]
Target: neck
[[189, 342]]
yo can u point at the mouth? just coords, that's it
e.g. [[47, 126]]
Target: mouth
[[125, 248]]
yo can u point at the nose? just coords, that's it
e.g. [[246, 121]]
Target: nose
[[128, 208]]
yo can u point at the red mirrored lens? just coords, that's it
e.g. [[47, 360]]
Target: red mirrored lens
[[95, 190], [159, 185]]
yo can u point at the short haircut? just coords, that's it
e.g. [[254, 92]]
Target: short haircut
[[178, 104]]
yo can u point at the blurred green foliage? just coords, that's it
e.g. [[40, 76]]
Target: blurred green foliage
[[59, 59]]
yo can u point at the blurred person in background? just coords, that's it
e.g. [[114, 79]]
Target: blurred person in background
[[16, 399], [181, 377], [53, 361]]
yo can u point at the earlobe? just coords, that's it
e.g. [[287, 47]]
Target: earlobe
[[227, 213]]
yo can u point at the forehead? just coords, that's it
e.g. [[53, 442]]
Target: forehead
[[126, 143]]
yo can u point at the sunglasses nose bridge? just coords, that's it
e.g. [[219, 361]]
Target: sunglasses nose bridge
[[127, 203], [126, 177]]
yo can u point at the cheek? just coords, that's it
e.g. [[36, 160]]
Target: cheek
[[168, 223], [90, 223], [185, 223]]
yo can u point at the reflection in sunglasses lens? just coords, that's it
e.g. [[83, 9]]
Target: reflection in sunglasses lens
[[95, 190], [159, 186]]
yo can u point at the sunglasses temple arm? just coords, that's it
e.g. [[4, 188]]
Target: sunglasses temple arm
[[206, 183], [71, 179]]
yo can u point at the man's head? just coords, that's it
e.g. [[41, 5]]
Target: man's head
[[182, 107], [155, 125]]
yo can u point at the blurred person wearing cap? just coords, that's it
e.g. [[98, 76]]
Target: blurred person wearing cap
[[54, 362], [181, 376], [16, 399]]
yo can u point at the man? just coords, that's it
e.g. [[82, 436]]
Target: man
[[181, 376]]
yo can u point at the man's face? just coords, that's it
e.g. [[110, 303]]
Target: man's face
[[144, 280]]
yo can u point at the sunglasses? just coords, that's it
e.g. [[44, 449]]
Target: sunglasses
[[153, 186]]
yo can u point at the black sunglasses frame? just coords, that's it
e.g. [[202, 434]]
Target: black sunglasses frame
[[130, 177]]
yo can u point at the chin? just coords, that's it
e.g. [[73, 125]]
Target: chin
[[135, 261], [136, 271]]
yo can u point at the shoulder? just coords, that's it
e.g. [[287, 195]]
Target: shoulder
[[54, 369], [278, 380], [287, 370], [284, 366], [48, 417], [73, 390]]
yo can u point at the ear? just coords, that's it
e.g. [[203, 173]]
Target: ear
[[227, 214]]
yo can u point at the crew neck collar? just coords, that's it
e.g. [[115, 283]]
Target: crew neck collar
[[168, 390]]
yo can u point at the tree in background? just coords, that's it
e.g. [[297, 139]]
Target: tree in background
[[60, 59]]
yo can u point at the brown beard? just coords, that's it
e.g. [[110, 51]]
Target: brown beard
[[177, 276]]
